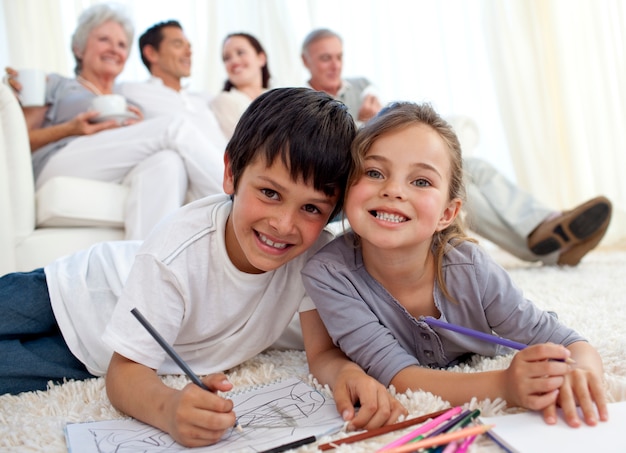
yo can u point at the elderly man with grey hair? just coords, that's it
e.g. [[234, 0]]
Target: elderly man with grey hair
[[322, 55]]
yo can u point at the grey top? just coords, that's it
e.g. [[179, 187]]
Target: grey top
[[375, 331], [351, 94], [65, 99]]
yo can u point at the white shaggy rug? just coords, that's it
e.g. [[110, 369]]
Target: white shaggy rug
[[590, 297]]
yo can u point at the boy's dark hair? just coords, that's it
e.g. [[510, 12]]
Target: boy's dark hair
[[153, 36], [309, 130]]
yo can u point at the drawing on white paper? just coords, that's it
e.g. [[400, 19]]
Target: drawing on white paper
[[145, 438], [270, 415], [280, 408]]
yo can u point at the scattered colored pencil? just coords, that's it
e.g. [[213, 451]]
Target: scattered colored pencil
[[422, 429], [441, 439], [459, 422], [465, 444], [380, 431]]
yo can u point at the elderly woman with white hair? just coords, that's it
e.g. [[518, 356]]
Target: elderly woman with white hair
[[162, 160]]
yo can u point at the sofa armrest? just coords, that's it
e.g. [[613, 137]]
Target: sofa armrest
[[66, 201]]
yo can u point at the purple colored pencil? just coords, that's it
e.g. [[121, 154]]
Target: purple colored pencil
[[475, 333]]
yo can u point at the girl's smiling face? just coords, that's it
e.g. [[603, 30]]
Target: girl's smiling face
[[401, 198]]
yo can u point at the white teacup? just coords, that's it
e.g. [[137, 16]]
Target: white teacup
[[33, 92], [109, 104]]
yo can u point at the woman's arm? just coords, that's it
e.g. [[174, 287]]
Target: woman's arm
[[350, 384], [192, 416], [80, 125], [35, 116]]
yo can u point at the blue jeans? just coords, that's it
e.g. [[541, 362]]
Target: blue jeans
[[32, 349]]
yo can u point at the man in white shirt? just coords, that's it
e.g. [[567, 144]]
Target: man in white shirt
[[166, 52]]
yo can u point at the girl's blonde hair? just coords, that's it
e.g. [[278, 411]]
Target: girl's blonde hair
[[400, 115]]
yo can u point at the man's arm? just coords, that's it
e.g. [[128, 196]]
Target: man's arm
[[369, 108]]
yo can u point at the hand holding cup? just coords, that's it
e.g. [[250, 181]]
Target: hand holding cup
[[29, 86]]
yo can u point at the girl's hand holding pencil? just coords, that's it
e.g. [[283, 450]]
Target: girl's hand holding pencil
[[543, 376], [535, 375], [583, 391]]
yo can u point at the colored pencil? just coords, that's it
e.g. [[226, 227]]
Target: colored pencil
[[475, 333], [465, 444], [379, 431], [441, 439], [460, 422], [457, 423], [300, 442], [422, 429], [452, 447], [480, 335]]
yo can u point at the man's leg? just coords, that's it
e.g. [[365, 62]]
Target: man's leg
[[501, 212], [517, 222], [158, 186]]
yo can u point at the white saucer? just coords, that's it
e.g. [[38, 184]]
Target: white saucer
[[119, 117]]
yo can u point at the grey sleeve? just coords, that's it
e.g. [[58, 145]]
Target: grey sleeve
[[352, 325], [513, 316]]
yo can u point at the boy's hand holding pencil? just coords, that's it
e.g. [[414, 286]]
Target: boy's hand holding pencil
[[196, 407], [199, 414]]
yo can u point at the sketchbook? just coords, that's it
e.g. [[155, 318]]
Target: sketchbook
[[270, 415], [528, 433]]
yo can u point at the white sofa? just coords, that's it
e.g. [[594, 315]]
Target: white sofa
[[65, 215]]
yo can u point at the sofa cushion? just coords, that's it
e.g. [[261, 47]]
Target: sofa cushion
[[66, 201]]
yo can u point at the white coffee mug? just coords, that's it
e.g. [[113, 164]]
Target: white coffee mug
[[33, 92], [109, 104]]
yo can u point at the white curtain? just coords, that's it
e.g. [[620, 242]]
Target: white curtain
[[560, 68], [542, 78]]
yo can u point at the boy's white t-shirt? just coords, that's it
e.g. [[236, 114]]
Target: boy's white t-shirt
[[183, 282]]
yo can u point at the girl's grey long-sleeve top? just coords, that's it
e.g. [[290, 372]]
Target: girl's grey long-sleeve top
[[375, 331]]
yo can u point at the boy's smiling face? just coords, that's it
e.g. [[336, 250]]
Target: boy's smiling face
[[274, 219]]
